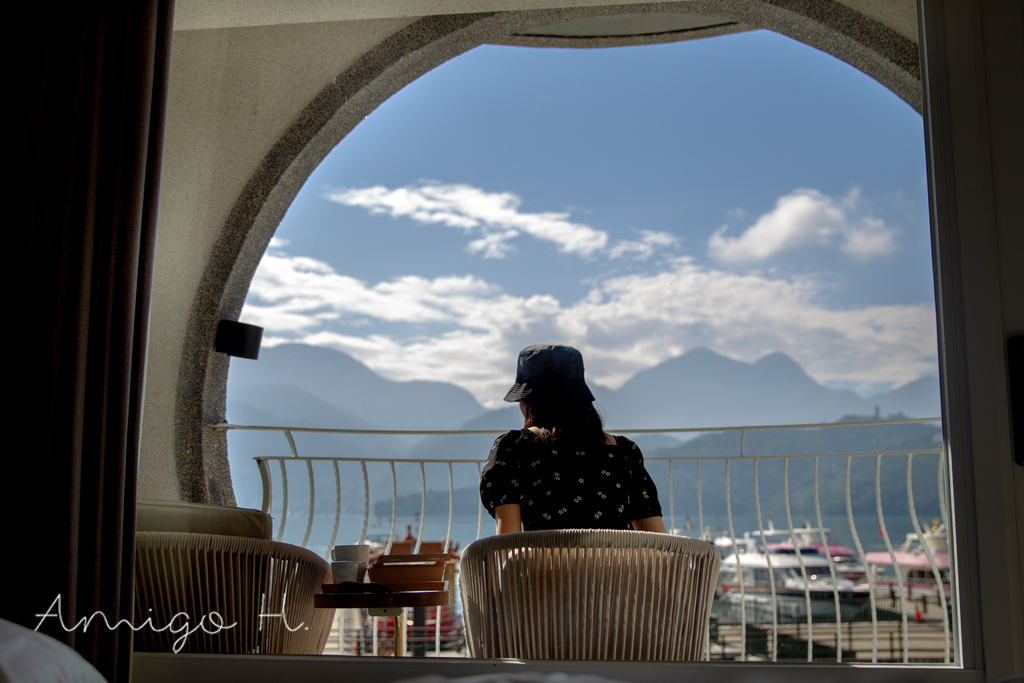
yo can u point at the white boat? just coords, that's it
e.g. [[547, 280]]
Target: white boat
[[819, 540], [822, 542], [787, 584]]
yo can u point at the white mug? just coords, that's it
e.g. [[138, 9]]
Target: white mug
[[351, 553]]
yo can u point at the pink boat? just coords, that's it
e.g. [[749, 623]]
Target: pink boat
[[913, 571]]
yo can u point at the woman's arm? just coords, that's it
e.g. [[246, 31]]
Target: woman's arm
[[646, 524], [508, 518], [498, 479]]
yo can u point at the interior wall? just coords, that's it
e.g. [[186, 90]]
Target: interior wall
[[898, 15], [232, 95]]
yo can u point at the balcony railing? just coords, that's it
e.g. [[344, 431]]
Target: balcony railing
[[734, 482]]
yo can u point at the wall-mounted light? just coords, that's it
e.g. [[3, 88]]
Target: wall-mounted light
[[238, 339]]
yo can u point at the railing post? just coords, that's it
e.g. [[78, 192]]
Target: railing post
[[828, 555], [768, 560], [394, 509], [312, 504], [337, 512], [700, 503], [928, 553], [800, 561], [863, 560], [739, 566], [671, 500], [423, 506], [479, 508], [264, 468], [284, 500], [892, 553], [366, 503]]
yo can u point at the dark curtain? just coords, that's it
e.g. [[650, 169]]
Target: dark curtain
[[87, 100]]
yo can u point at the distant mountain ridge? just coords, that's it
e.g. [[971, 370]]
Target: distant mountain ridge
[[363, 398], [700, 388], [703, 388]]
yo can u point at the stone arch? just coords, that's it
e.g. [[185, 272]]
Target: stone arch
[[200, 453]]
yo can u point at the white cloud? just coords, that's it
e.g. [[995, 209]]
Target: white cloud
[[869, 239], [287, 288], [802, 218], [493, 244], [495, 216], [650, 241], [623, 325]]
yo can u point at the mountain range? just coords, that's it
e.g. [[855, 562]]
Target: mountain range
[[296, 383]]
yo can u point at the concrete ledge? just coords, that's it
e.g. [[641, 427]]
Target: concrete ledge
[[189, 668]]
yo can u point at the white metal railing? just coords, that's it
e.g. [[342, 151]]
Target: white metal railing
[[908, 641]]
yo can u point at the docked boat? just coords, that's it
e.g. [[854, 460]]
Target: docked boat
[[817, 540], [785, 585], [909, 571]]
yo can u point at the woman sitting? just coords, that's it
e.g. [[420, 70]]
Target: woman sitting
[[562, 471]]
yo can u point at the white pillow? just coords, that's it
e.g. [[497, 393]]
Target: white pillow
[[28, 656]]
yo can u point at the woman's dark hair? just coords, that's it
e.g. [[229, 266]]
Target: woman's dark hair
[[577, 421]]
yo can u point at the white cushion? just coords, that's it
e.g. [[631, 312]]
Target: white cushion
[[169, 515]]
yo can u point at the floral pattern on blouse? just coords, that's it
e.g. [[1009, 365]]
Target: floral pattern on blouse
[[569, 487]]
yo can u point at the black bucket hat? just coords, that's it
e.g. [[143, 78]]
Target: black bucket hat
[[551, 371]]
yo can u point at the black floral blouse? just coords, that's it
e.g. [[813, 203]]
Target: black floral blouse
[[559, 486]]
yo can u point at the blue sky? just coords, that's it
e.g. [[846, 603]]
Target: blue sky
[[745, 193]]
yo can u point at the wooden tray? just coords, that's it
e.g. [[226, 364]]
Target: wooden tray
[[392, 570]]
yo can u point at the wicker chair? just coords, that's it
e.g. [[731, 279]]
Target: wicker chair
[[584, 594], [262, 586]]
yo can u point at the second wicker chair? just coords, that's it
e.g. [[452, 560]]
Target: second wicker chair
[[585, 595]]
